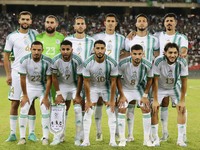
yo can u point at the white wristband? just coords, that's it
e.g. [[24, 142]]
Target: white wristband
[[145, 95], [58, 93]]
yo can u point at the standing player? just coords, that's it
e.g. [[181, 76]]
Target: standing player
[[133, 87], [100, 72], [35, 78], [151, 50], [168, 69], [115, 49], [18, 43], [67, 80], [51, 39], [170, 35], [82, 46]]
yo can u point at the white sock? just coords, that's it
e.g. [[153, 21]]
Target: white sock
[[181, 129], [22, 125], [121, 126], [87, 121], [186, 115], [164, 119], [146, 125], [111, 124], [78, 121], [13, 124], [154, 131], [130, 119], [98, 117], [116, 115], [45, 121], [31, 122]]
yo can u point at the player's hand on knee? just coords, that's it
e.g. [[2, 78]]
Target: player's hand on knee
[[46, 103], [24, 100], [59, 99], [88, 105], [122, 102], [78, 99], [155, 106]]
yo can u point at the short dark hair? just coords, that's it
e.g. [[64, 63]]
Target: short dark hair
[[136, 47], [66, 42], [141, 15], [99, 42], [170, 15], [25, 13], [79, 17], [111, 15], [171, 45], [52, 16], [37, 43]]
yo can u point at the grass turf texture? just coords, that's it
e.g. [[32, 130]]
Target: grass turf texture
[[193, 130]]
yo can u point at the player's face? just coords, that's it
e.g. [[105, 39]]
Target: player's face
[[25, 21], [170, 23], [110, 23], [50, 25], [99, 50], [141, 23], [80, 26], [36, 51], [66, 51], [171, 55], [137, 56]]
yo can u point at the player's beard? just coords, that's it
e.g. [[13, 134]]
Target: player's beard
[[141, 29], [169, 27], [36, 58], [100, 56], [137, 61], [170, 62], [24, 27], [50, 30], [80, 31]]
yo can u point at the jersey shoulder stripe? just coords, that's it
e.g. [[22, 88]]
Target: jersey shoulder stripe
[[159, 60], [49, 60], [76, 58], [58, 56], [124, 61], [146, 63], [111, 60], [25, 57], [183, 61], [88, 60]]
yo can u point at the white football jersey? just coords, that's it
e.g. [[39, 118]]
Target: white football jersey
[[149, 43], [19, 44], [114, 43], [134, 77], [169, 75], [100, 73], [82, 47], [180, 39], [35, 72], [67, 71]]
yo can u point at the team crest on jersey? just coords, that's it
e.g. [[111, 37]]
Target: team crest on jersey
[[57, 119], [57, 41]]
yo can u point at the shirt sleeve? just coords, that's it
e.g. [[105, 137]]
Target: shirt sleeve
[[156, 71], [22, 68], [8, 45], [85, 71], [184, 68], [114, 71]]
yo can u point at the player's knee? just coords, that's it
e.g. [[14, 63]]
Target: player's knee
[[15, 105], [43, 109], [25, 109], [110, 114], [77, 109]]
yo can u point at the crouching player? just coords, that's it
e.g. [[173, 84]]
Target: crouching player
[[134, 82], [170, 79], [35, 78], [67, 80]]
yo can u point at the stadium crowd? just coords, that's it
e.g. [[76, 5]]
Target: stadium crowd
[[188, 25]]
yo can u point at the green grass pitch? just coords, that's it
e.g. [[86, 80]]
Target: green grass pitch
[[193, 129]]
